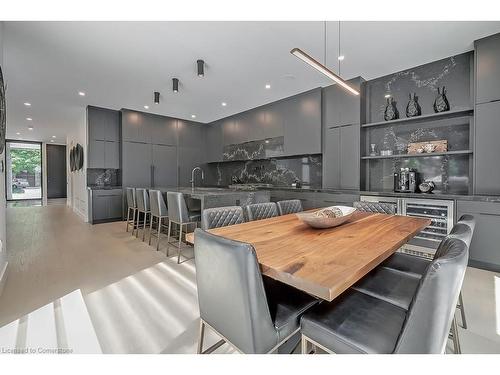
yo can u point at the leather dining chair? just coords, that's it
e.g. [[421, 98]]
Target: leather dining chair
[[142, 207], [376, 207], [221, 217], [251, 313], [159, 212], [259, 211], [360, 322], [131, 208], [178, 214], [289, 206]]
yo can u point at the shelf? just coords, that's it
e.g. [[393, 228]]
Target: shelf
[[424, 118], [423, 155]]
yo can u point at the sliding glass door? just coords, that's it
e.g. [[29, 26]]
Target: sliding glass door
[[23, 170]]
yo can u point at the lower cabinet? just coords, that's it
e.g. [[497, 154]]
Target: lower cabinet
[[106, 205], [484, 249], [315, 199]]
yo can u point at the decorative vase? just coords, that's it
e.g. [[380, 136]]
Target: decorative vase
[[413, 108], [441, 103], [391, 112]]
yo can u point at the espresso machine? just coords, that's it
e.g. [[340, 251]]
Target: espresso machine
[[405, 181]]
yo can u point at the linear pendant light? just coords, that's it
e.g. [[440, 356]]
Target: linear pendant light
[[297, 52]]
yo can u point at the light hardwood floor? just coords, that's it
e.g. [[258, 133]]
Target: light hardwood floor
[[139, 300]]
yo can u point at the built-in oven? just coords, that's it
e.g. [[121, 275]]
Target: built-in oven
[[440, 212]]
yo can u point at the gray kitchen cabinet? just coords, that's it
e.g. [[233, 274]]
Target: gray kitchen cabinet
[[302, 124], [331, 158], [99, 208], [163, 163], [230, 131], [112, 155], [95, 154], [103, 124], [162, 130], [484, 249], [191, 150], [136, 161], [273, 124], [134, 128], [324, 199], [214, 141], [106, 205], [486, 150], [487, 52], [340, 107]]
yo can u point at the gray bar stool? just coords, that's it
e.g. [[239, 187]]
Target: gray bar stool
[[132, 207], [158, 212], [142, 207], [179, 214]]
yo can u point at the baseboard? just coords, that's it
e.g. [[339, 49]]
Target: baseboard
[[484, 265], [3, 277]]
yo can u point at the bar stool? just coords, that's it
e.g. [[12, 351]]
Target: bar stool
[[179, 214], [142, 207], [132, 206], [159, 212]]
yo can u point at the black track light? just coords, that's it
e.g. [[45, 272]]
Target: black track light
[[175, 84], [157, 97], [201, 68]]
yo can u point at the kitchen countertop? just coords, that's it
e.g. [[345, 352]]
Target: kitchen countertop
[[103, 187]]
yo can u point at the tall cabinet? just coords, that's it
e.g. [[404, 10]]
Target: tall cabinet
[[342, 113], [103, 138]]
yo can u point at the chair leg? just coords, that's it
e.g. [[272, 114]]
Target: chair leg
[[456, 339], [303, 345], [168, 236], [144, 226], [128, 219], [137, 224], [201, 336], [179, 245], [462, 310], [150, 229], [158, 239]]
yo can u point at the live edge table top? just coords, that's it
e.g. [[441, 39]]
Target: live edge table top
[[323, 262]]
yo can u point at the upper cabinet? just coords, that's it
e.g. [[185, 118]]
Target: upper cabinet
[[340, 107], [148, 128], [302, 123], [103, 126], [215, 141], [488, 69]]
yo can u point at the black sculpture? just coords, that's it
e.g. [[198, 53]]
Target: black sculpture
[[391, 112], [441, 103], [79, 156], [413, 108]]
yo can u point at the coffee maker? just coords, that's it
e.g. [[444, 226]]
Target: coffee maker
[[405, 181]]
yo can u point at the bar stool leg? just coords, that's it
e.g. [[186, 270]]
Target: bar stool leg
[[128, 219], [158, 239], [456, 340], [168, 236], [179, 245], [144, 226], [150, 229], [462, 310]]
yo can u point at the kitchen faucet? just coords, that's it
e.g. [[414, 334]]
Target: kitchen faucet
[[192, 176]]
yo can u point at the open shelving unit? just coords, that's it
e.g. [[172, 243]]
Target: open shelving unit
[[422, 155]]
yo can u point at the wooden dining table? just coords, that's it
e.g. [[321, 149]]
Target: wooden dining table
[[323, 262]]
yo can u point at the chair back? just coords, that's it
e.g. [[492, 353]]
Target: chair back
[[463, 230], [431, 312], [157, 203], [177, 209], [131, 201], [376, 207], [231, 293], [289, 206], [142, 199], [259, 211], [221, 217]]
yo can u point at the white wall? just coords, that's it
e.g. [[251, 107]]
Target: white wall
[[3, 250], [77, 181]]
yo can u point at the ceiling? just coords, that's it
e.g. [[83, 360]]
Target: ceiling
[[120, 64]]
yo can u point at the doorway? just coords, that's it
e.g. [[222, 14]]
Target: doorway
[[56, 172], [24, 170]]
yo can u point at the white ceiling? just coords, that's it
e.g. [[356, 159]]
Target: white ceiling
[[120, 64]]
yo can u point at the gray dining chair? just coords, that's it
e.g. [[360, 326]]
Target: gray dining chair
[[259, 211], [179, 215], [221, 217], [376, 207], [160, 213], [131, 208], [290, 206], [251, 313], [143, 208], [358, 322], [416, 266]]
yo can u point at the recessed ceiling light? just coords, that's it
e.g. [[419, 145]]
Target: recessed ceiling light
[[387, 95], [27, 104], [81, 93], [267, 141], [52, 140], [18, 133], [53, 136], [29, 119], [224, 104], [341, 57], [268, 86], [146, 107], [30, 127], [193, 116]]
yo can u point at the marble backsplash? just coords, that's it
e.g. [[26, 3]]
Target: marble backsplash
[[103, 177], [261, 149], [277, 171]]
